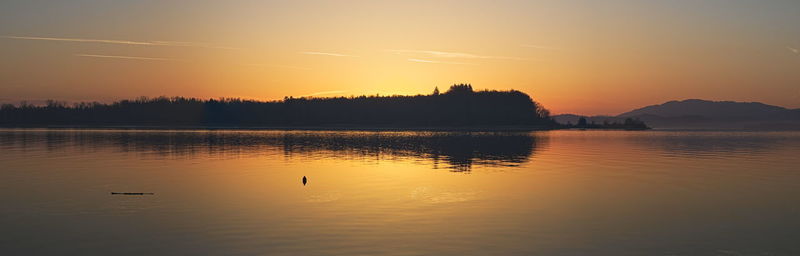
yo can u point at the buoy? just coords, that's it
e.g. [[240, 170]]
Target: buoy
[[305, 180]]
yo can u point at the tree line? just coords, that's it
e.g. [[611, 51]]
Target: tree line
[[460, 105], [627, 124]]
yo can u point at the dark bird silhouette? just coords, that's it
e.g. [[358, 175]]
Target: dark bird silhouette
[[305, 180]]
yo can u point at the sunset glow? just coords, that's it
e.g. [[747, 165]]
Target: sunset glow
[[572, 56]]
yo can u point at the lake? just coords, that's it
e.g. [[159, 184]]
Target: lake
[[399, 193]]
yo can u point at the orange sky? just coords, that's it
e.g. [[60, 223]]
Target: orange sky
[[580, 57]]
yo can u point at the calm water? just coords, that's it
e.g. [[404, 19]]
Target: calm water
[[399, 193]]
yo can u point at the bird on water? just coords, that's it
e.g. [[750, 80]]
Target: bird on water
[[305, 180]]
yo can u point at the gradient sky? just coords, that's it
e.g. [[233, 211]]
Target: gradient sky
[[585, 57]]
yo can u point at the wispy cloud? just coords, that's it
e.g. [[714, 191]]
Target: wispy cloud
[[542, 47], [194, 44], [180, 60], [127, 42], [275, 66], [795, 51], [440, 62], [322, 93], [82, 40], [124, 57], [328, 54], [462, 55]]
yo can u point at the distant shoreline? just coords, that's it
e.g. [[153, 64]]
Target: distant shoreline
[[291, 128], [460, 108], [517, 128]]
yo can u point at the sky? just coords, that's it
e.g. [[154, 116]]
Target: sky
[[582, 57]]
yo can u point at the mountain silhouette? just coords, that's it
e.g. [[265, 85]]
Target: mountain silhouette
[[695, 107], [704, 114]]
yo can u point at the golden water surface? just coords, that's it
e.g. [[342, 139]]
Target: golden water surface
[[399, 193]]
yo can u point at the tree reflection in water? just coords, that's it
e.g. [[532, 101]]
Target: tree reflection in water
[[456, 151]]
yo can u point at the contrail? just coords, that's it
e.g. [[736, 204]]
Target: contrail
[[127, 42], [104, 41], [123, 57]]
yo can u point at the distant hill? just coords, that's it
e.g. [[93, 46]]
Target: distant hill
[[695, 107], [703, 114]]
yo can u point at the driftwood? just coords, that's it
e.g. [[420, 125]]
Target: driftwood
[[131, 194]]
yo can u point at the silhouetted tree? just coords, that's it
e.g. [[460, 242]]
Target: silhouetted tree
[[582, 122], [460, 89]]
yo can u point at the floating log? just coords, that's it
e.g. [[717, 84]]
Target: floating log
[[131, 194]]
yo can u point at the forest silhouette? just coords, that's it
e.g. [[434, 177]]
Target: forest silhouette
[[458, 106]]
